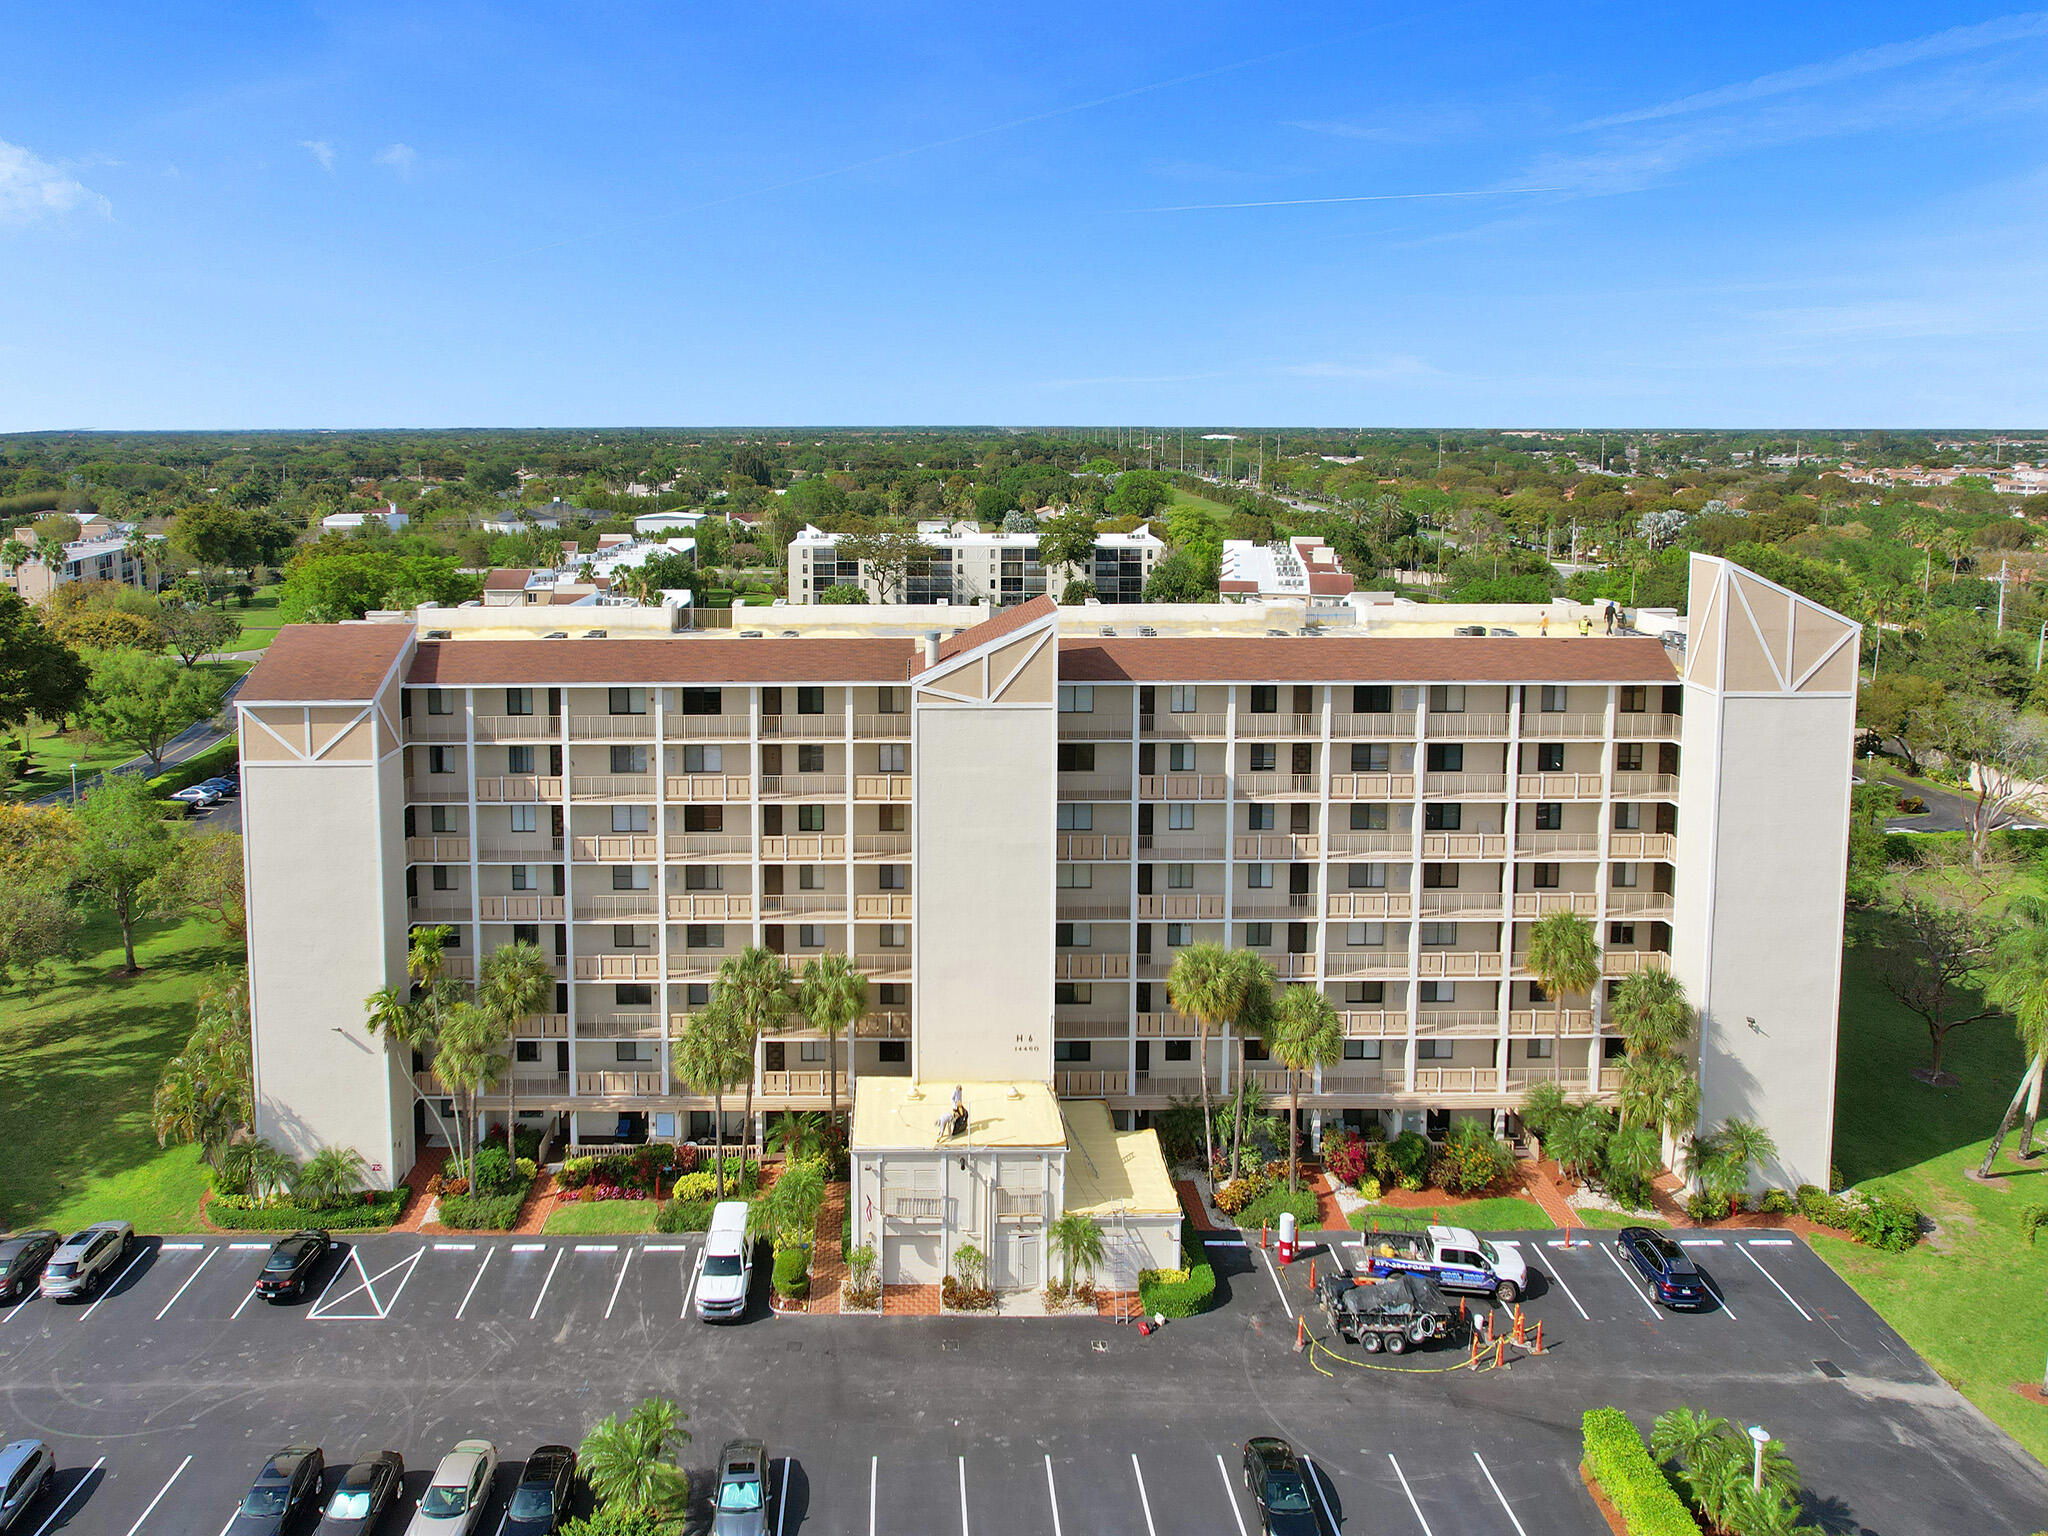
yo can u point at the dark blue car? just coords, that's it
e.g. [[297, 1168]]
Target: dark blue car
[[1673, 1279]]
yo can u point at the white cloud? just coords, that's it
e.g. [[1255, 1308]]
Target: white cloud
[[401, 158], [32, 189], [320, 150]]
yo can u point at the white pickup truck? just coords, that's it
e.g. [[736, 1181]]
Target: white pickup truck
[[1455, 1258]]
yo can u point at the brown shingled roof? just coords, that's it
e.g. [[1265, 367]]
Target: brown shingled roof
[[684, 659], [1336, 659], [508, 579], [1008, 622], [312, 662]]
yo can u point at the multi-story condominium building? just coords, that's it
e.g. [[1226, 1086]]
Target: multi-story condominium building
[[103, 551], [1305, 569], [969, 566], [1013, 825]]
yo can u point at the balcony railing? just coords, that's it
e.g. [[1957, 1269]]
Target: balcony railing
[[438, 907], [1374, 1023], [883, 1024], [618, 967], [1369, 906], [891, 965], [709, 845], [617, 847], [542, 1026], [1385, 726], [1437, 1023], [1088, 847], [1019, 1203], [533, 848], [1076, 727], [1090, 1085], [1189, 847], [1083, 965], [1532, 904], [611, 727], [1094, 786], [1544, 1021], [794, 1085], [523, 909], [882, 727], [1372, 786], [437, 850], [1354, 843], [1553, 844], [518, 728], [709, 907], [882, 906], [1652, 904], [619, 1085], [803, 727], [1337, 1084], [804, 904], [1645, 786], [682, 727], [620, 1026], [1461, 904], [1558, 786], [1453, 1080], [1274, 906], [1251, 727], [1453, 786], [708, 787], [1368, 962], [802, 786], [518, 788], [882, 786], [803, 848], [1458, 962], [1258, 786], [425, 727], [1546, 725], [1642, 845], [436, 788], [612, 786], [1167, 1085], [881, 845], [696, 964], [1167, 1023], [1183, 786], [1635, 727], [1281, 846], [1459, 725], [1188, 727], [1628, 962], [1185, 908], [1464, 845], [618, 907]]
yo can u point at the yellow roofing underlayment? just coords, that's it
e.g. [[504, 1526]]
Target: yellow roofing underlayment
[[897, 1114], [1110, 1170]]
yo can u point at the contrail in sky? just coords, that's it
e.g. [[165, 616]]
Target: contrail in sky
[[1370, 197]]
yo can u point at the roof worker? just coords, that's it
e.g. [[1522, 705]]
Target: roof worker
[[1585, 624], [1543, 625]]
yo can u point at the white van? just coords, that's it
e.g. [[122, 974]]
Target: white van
[[726, 1267]]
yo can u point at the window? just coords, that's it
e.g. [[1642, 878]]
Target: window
[[518, 701], [1624, 877], [1536, 1050], [1550, 757], [440, 759], [1447, 699], [1180, 877], [703, 877], [1265, 699], [1180, 817], [1634, 700], [627, 701], [1549, 816], [1368, 818], [631, 818], [810, 701], [1077, 699], [1180, 700], [1543, 877], [519, 759], [703, 701], [1362, 1050], [704, 759], [1372, 699], [1439, 935], [1443, 818], [444, 878], [1439, 877], [1258, 935], [1077, 757], [697, 995], [810, 818], [633, 994], [1072, 935], [1179, 935], [1621, 933], [896, 877], [1258, 877], [524, 818], [1628, 757], [627, 936], [633, 1050], [896, 818], [1365, 991], [1432, 1050], [704, 936], [1072, 1050], [1073, 992], [1262, 757], [440, 701], [810, 758], [810, 877], [1366, 935], [1258, 818], [892, 757], [810, 935], [1446, 757], [1366, 877], [1550, 699], [1180, 757], [525, 877], [441, 820], [628, 759], [526, 1050], [890, 1052], [1074, 877], [630, 877], [893, 935], [892, 994], [1255, 1050], [1075, 818], [1628, 818], [703, 818], [1370, 757], [810, 1050], [1180, 1050]]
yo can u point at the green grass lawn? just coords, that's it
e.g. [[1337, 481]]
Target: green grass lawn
[[79, 1059], [591, 1217], [259, 620], [55, 752], [1611, 1221], [1504, 1214]]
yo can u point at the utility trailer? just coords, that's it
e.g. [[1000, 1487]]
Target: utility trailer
[[1394, 1314]]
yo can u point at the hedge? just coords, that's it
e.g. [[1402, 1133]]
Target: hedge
[[1178, 1292], [235, 1213], [1876, 1220], [1267, 1208], [196, 769], [793, 1272], [1620, 1464], [481, 1213], [684, 1216]]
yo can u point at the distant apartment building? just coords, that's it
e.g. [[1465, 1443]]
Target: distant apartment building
[[1305, 569], [103, 551], [970, 566], [1013, 823], [591, 579], [355, 522]]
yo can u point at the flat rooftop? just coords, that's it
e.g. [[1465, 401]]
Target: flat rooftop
[[897, 1114], [1109, 1170]]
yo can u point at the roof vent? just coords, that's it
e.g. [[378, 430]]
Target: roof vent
[[1109, 629], [556, 634], [594, 634], [440, 634], [791, 634], [931, 647], [750, 634], [1147, 629], [1280, 634]]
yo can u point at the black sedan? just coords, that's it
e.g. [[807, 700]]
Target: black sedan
[[1278, 1484], [288, 1485], [291, 1261], [362, 1496], [541, 1501], [22, 1258], [1673, 1279]]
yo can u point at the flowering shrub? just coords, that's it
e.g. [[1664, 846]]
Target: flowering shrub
[[1241, 1192], [1347, 1157]]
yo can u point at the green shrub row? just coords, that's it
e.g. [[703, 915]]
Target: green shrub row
[[684, 1216], [1266, 1209], [481, 1213], [793, 1272], [1179, 1292], [196, 769], [1620, 1463], [1875, 1220], [237, 1213]]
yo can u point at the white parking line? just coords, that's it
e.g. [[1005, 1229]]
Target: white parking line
[[1721, 1300], [159, 1496], [1279, 1287], [781, 1502], [1629, 1281], [963, 1496], [597, 1247], [245, 1301], [1566, 1287], [231, 1523], [455, 1247], [664, 1247], [528, 1247], [1774, 1281], [1144, 1498], [1322, 1488], [179, 1247], [615, 1301], [1224, 1242], [473, 1281], [1230, 1492], [248, 1247], [380, 1307], [117, 1282], [1772, 1242], [689, 1291], [874, 1472], [1052, 1492], [186, 1286], [1699, 1242], [1498, 1494], [1426, 1531], [89, 1471], [543, 1296]]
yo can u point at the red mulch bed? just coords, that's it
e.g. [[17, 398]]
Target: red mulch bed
[[1191, 1204]]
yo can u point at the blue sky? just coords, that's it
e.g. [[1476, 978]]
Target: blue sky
[[666, 214]]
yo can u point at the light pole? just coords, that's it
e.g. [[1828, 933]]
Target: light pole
[[74, 766], [1758, 1437]]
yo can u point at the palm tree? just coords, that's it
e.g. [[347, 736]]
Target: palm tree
[[1663, 1093], [2020, 987], [711, 1057], [1738, 1150], [332, 1176], [832, 994], [797, 1137], [256, 1166], [515, 982], [1077, 1242], [470, 1061], [1307, 1034], [1215, 985], [629, 1462], [1680, 1435], [190, 1106], [412, 1019], [1564, 955], [754, 987], [1650, 1013]]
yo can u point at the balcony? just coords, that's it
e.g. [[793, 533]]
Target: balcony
[[1094, 786], [1185, 908], [1458, 1080], [1274, 906], [1374, 1023], [1558, 786], [709, 845], [881, 906], [1168, 1085], [795, 1087], [1167, 1023], [1543, 725], [1024, 1205], [1639, 727], [617, 847], [884, 1024], [612, 786], [1371, 726], [611, 727], [1447, 1023], [803, 848], [1372, 786], [882, 727], [708, 787], [815, 906], [1400, 843], [1458, 962], [1646, 786], [620, 1026], [518, 788], [542, 1026], [1336, 1084], [1180, 786], [531, 849], [1572, 1079], [491, 728], [1279, 786], [802, 786], [1185, 846], [1252, 727], [523, 909], [646, 967], [1457, 786], [1543, 1022], [523, 1085], [1643, 845], [437, 850], [1090, 1085], [1076, 727], [1627, 962], [1095, 1026], [890, 965], [1291, 966], [1082, 965], [696, 964], [678, 727], [1533, 904], [882, 786], [1368, 962], [1187, 727], [618, 907], [1558, 844], [803, 727], [1460, 726], [709, 907], [1651, 904], [438, 907], [425, 727], [1281, 847], [1478, 906], [881, 845], [619, 1085], [1464, 845], [1368, 906], [437, 789]]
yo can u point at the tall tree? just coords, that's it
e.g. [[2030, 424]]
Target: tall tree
[[1564, 955], [39, 674], [411, 1017], [1306, 1034], [145, 702], [2020, 986], [192, 630], [1214, 986], [39, 922], [206, 1093], [1943, 928], [629, 1462], [832, 994], [125, 848], [515, 982], [206, 876], [2006, 756], [753, 988], [712, 1057], [888, 557], [470, 1058]]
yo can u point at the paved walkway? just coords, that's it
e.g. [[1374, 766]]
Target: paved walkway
[[423, 1172], [828, 1264]]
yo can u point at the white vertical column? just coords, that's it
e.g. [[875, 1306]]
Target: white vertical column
[[1229, 849], [1510, 811], [1596, 1043], [660, 766], [1420, 767], [1131, 890], [568, 804]]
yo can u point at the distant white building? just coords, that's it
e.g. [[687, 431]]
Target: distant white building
[[103, 551], [1302, 568], [352, 522], [592, 578], [667, 522], [969, 566]]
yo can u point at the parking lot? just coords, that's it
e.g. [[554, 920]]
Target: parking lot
[[164, 1395]]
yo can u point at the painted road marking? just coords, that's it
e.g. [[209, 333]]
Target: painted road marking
[[455, 1247], [874, 1471], [690, 1290], [90, 1472], [472, 1284], [179, 1247], [1699, 1242], [1052, 1492], [380, 1308], [245, 1302], [159, 1496], [1498, 1494], [543, 1296], [1628, 1280], [963, 1496], [1279, 1287], [1771, 1242], [248, 1247], [1144, 1498], [1224, 1242], [664, 1247], [528, 1247], [129, 1266], [597, 1247], [781, 1501], [1315, 1477], [615, 1301], [1774, 1281], [1715, 1291], [1230, 1492], [1554, 1275], [1426, 1531]]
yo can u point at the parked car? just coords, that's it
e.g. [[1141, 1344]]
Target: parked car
[[22, 1258], [1273, 1476], [87, 1260], [454, 1501], [198, 796], [288, 1485], [725, 1269], [291, 1261], [1673, 1277], [540, 1503], [1455, 1258], [739, 1505], [365, 1492], [28, 1470], [224, 788]]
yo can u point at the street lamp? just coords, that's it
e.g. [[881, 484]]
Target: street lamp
[[1758, 1437], [74, 775]]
